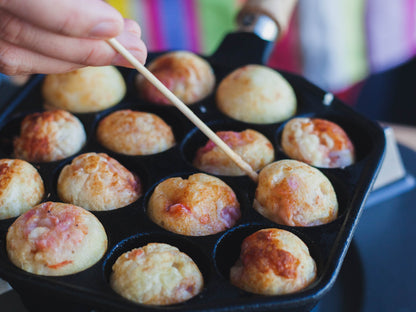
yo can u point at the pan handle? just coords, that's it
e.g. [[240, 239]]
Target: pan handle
[[260, 24], [269, 19]]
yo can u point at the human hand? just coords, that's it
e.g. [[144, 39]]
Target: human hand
[[53, 36]]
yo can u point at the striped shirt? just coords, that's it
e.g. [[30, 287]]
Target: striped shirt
[[333, 43]]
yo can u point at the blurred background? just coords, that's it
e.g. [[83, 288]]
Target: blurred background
[[361, 50]]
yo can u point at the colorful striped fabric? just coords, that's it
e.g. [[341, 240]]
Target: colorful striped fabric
[[333, 43], [390, 32], [194, 25], [343, 41]]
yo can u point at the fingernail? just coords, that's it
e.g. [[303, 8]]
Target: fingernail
[[104, 30]]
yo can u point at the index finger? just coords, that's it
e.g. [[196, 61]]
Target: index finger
[[77, 18]]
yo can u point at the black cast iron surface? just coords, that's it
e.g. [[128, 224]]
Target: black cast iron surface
[[130, 227], [378, 272]]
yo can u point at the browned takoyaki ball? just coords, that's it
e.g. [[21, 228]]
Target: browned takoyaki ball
[[256, 94], [21, 187], [49, 136], [135, 133], [186, 74], [156, 274], [84, 90], [56, 239], [273, 262], [293, 193], [98, 182], [317, 142], [197, 206], [253, 147]]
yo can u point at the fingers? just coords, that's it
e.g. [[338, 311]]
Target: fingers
[[77, 18], [130, 39], [67, 33], [70, 49], [26, 49], [17, 61]]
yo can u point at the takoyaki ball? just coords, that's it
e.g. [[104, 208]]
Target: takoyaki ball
[[49, 136], [186, 74], [21, 187], [198, 206], [317, 142], [253, 147], [56, 239], [97, 182], [273, 262], [135, 133], [293, 193], [256, 94], [156, 274], [84, 90]]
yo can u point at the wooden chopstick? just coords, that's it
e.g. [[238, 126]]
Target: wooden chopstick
[[184, 109]]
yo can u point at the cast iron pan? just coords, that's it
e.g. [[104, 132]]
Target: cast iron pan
[[130, 227]]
